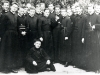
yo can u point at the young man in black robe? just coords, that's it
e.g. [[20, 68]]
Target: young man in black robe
[[5, 7], [22, 32], [45, 32], [10, 55], [38, 13], [4, 10], [91, 40], [51, 9], [65, 38], [56, 29], [52, 18], [77, 46], [38, 60], [32, 22]]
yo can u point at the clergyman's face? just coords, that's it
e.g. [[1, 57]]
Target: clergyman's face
[[97, 9], [38, 10], [46, 13], [31, 12], [21, 11], [51, 7], [14, 8], [63, 12], [90, 10], [78, 10], [6, 6], [57, 10], [69, 12], [37, 44]]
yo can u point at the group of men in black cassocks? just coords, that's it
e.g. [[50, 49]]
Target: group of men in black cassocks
[[69, 36]]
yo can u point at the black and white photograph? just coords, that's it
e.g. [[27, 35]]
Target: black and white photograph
[[49, 37]]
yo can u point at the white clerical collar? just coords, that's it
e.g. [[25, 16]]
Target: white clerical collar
[[12, 12], [96, 13], [52, 11], [19, 15], [31, 16]]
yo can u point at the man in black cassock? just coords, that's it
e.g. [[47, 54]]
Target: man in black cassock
[[52, 18], [45, 32], [22, 32], [65, 38], [91, 40], [77, 46], [32, 23], [38, 60], [56, 30], [10, 55], [4, 10]]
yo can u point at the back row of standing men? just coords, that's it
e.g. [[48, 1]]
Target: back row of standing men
[[69, 36]]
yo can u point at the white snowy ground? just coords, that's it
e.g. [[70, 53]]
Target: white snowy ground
[[60, 70]]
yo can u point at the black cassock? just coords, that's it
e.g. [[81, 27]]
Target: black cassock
[[92, 43], [10, 54], [40, 57], [52, 18], [32, 23], [65, 45], [56, 34], [77, 46], [45, 32], [22, 26]]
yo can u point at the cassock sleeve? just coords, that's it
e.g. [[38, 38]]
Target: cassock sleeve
[[26, 25], [40, 27], [29, 58], [45, 55], [97, 26], [4, 22], [83, 26], [68, 28]]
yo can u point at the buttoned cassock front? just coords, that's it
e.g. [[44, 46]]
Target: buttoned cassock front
[[33, 33], [65, 45], [91, 44], [77, 46], [45, 32], [10, 54]]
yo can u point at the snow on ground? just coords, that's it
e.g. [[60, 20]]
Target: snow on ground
[[60, 70]]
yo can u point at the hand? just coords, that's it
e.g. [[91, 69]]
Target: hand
[[34, 63], [66, 38], [82, 40], [57, 18], [41, 38], [93, 27], [0, 38], [48, 62], [23, 33]]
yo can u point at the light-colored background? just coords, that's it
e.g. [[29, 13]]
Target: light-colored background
[[60, 70]]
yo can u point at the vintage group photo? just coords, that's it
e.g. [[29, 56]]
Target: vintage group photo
[[38, 36]]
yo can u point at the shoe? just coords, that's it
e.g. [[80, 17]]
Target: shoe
[[52, 68], [66, 65], [74, 66], [13, 71]]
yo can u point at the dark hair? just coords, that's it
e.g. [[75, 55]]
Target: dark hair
[[64, 9], [35, 40], [50, 3], [57, 6], [14, 3], [5, 2], [46, 9]]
